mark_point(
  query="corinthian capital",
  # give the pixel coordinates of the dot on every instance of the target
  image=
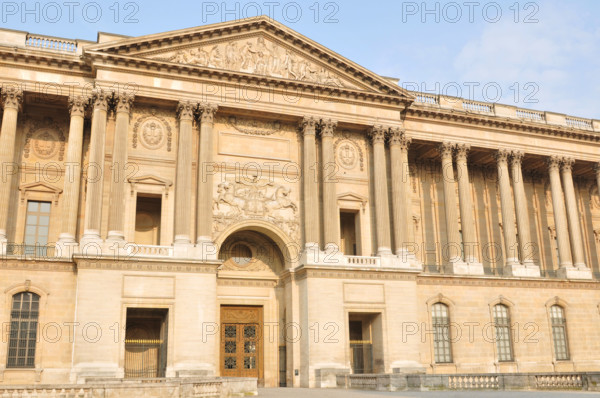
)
(123, 102)
(553, 163)
(567, 164)
(516, 157)
(378, 134)
(186, 109)
(502, 156)
(100, 99)
(446, 148)
(77, 105)
(462, 151)
(328, 127)
(308, 125)
(398, 137)
(207, 112)
(12, 97)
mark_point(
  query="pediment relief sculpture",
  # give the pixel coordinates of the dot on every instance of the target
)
(257, 55)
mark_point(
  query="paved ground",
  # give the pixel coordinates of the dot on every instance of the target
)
(322, 393)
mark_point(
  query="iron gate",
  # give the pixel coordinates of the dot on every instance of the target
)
(142, 358)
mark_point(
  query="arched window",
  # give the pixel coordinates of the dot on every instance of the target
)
(559, 332)
(503, 333)
(23, 330)
(441, 333)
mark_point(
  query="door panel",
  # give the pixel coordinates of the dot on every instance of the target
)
(241, 344)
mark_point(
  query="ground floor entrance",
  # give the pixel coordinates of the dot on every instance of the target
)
(241, 342)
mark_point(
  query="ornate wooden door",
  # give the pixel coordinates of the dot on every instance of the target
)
(241, 342)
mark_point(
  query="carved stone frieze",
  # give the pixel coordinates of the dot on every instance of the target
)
(152, 129)
(260, 56)
(256, 199)
(45, 138)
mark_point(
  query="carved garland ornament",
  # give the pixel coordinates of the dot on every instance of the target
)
(252, 126)
(152, 130)
(46, 138)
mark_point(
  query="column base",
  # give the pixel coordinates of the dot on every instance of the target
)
(66, 246)
(460, 267)
(522, 270)
(575, 273)
(313, 255)
(91, 243)
(3, 245)
(115, 236)
(403, 261)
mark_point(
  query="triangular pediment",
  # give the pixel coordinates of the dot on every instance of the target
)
(40, 187)
(151, 180)
(254, 46)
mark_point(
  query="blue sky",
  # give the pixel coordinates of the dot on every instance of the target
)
(541, 54)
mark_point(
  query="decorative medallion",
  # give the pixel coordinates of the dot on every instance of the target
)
(46, 139)
(152, 130)
(348, 153)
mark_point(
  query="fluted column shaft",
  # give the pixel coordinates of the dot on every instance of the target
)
(93, 198)
(116, 212)
(205, 174)
(309, 177)
(382, 215)
(449, 186)
(70, 200)
(331, 226)
(183, 177)
(506, 204)
(12, 98)
(401, 201)
(573, 213)
(525, 242)
(560, 216)
(467, 220)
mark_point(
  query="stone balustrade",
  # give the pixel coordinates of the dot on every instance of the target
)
(51, 43)
(505, 111)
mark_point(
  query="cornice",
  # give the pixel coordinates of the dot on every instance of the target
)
(19, 263)
(109, 263)
(314, 271)
(502, 123)
(42, 61)
(491, 281)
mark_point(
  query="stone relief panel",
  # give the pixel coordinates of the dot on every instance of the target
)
(44, 139)
(252, 126)
(258, 199)
(349, 153)
(257, 55)
(152, 129)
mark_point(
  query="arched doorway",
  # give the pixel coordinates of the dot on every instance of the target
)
(251, 307)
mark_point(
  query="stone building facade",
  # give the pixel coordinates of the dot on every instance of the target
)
(238, 200)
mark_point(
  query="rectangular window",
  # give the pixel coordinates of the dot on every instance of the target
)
(23, 330)
(559, 333)
(348, 235)
(37, 227)
(503, 333)
(147, 220)
(441, 333)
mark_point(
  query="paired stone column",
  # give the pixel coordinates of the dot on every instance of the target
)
(573, 213)
(560, 216)
(309, 177)
(95, 173)
(205, 175)
(12, 98)
(508, 215)
(525, 243)
(467, 220)
(453, 251)
(401, 194)
(116, 209)
(183, 178)
(70, 200)
(331, 225)
(382, 216)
